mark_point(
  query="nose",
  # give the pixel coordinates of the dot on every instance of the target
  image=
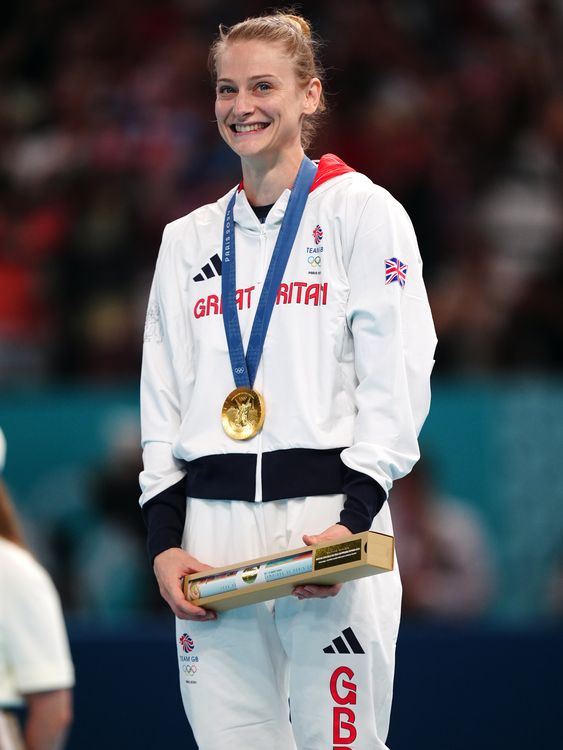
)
(243, 104)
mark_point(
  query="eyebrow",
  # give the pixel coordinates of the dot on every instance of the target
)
(252, 78)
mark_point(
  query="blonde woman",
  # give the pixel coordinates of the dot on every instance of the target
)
(287, 357)
(36, 670)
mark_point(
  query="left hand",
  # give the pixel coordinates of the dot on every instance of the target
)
(316, 591)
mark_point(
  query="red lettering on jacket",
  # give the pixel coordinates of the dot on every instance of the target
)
(343, 692)
(312, 294)
(282, 293)
(199, 308)
(296, 292)
(299, 285)
(212, 305)
(248, 293)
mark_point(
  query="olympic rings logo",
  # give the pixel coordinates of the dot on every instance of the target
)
(239, 370)
(314, 260)
(189, 668)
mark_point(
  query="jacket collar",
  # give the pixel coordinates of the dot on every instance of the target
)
(330, 166)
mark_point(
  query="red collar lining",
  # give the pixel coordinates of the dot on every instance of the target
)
(329, 166)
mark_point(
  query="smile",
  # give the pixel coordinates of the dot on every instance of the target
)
(250, 128)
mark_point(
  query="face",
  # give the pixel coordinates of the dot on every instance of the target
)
(260, 102)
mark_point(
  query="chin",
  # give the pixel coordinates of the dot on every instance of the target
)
(249, 149)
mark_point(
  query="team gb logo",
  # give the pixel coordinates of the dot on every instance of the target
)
(186, 643)
(318, 234)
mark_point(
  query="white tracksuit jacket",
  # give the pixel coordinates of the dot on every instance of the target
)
(345, 370)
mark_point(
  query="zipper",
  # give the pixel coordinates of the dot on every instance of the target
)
(260, 385)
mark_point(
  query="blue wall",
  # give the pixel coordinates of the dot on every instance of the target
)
(494, 444)
(455, 689)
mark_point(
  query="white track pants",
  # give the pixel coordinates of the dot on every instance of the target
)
(241, 670)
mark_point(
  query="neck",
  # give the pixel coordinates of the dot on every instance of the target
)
(266, 179)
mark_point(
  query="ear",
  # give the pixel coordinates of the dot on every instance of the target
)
(312, 96)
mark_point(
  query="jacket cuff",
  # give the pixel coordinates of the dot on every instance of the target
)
(364, 500)
(165, 516)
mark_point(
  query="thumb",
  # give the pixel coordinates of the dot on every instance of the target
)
(310, 540)
(199, 567)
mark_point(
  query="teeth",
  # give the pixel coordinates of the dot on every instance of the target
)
(248, 128)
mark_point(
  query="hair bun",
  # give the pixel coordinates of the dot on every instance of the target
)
(299, 22)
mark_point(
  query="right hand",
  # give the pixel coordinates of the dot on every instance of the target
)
(169, 568)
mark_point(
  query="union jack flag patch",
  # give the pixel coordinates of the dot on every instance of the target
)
(395, 271)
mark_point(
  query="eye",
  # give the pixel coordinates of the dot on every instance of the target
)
(225, 90)
(263, 86)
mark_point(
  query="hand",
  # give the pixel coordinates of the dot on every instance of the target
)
(169, 568)
(316, 591)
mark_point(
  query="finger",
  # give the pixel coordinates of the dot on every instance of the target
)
(317, 591)
(317, 588)
(183, 615)
(182, 608)
(310, 540)
(186, 611)
(302, 593)
(199, 568)
(328, 590)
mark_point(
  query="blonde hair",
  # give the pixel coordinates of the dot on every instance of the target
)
(9, 523)
(295, 35)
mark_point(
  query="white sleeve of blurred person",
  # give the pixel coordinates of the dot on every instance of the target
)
(36, 668)
(462, 581)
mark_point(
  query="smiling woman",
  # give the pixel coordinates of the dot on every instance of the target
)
(293, 35)
(268, 96)
(239, 340)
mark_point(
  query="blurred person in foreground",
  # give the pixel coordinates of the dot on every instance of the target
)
(342, 373)
(446, 562)
(36, 670)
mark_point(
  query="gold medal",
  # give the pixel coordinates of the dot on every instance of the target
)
(243, 413)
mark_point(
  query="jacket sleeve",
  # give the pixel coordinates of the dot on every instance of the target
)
(394, 342)
(162, 480)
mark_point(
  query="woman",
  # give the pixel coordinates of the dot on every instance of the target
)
(337, 352)
(35, 664)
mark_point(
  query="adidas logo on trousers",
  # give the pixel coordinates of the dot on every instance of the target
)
(347, 643)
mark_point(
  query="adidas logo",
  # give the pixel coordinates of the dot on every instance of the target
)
(345, 644)
(211, 269)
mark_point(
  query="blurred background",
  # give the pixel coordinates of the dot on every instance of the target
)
(107, 134)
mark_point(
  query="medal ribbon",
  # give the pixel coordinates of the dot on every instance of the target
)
(245, 367)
